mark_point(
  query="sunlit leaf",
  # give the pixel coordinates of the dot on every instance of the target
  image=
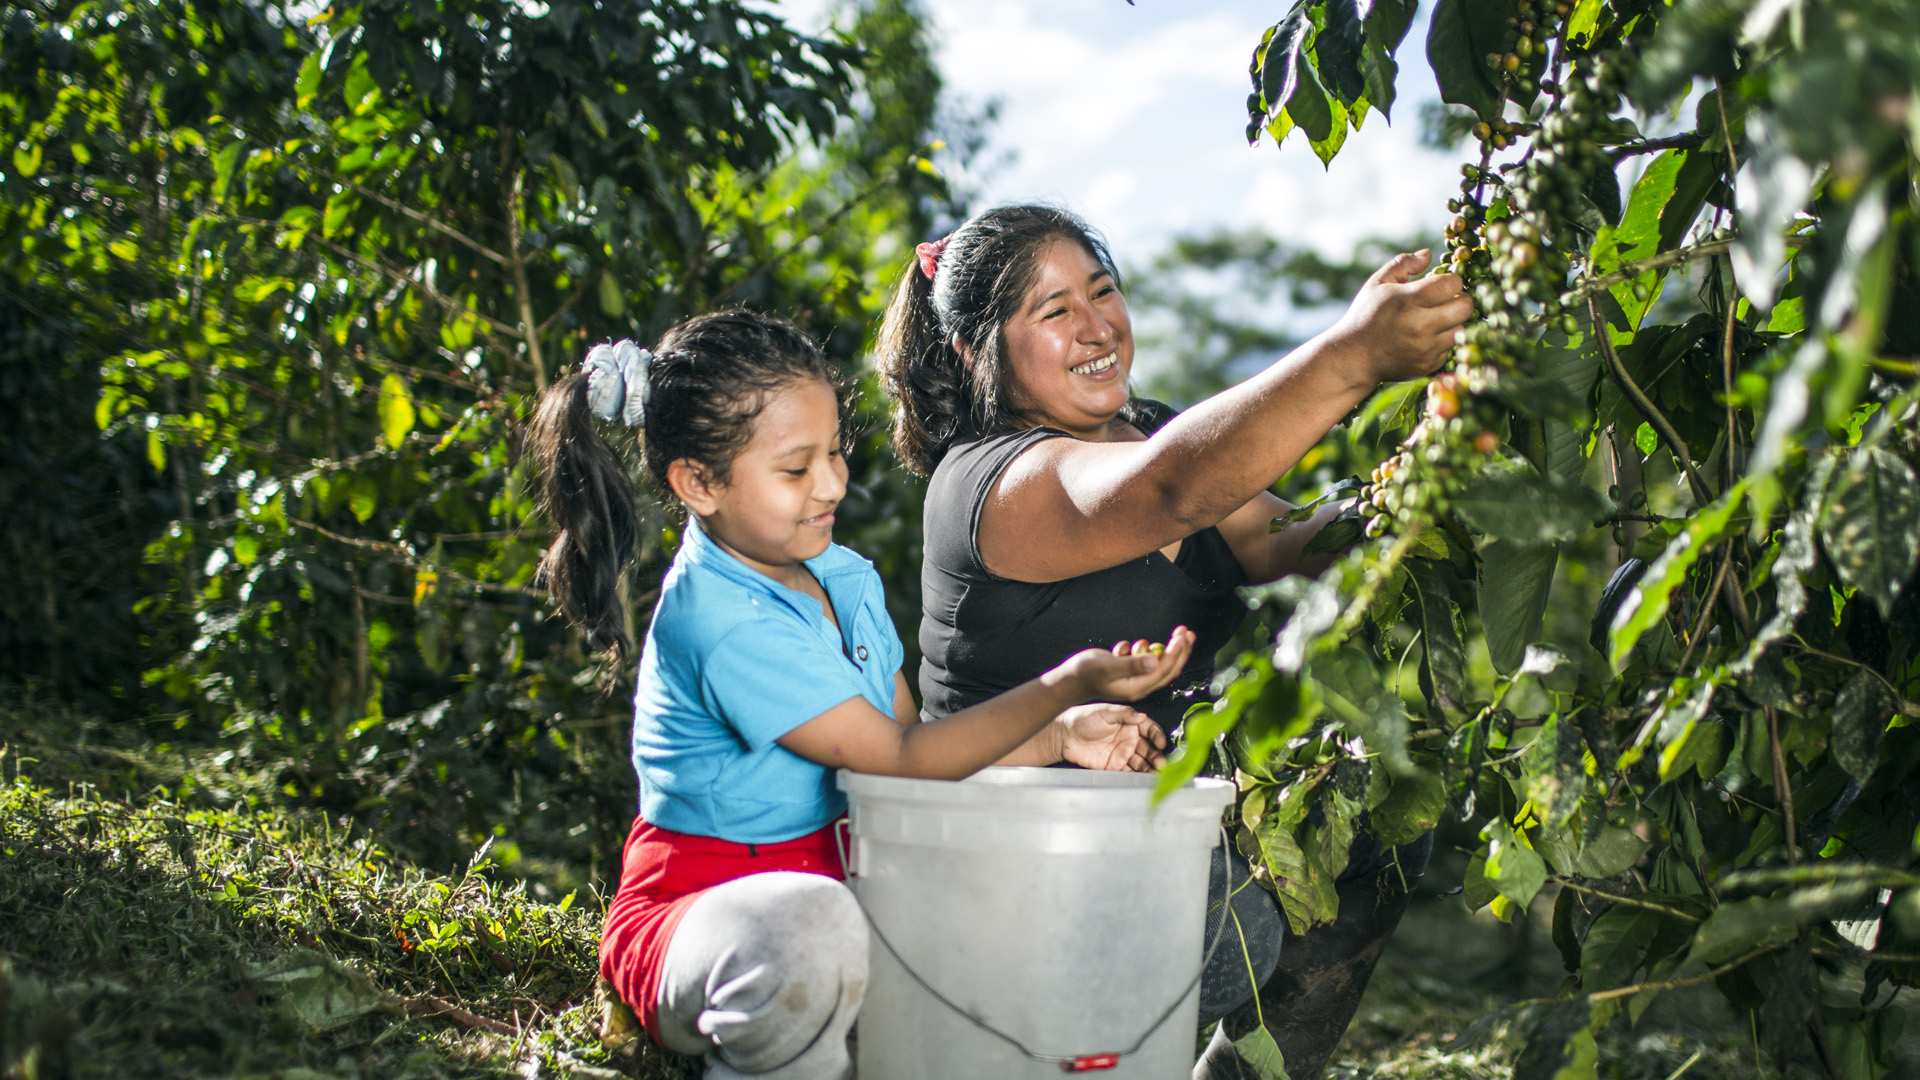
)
(1515, 869)
(396, 409)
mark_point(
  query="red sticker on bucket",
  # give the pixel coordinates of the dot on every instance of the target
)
(1090, 1063)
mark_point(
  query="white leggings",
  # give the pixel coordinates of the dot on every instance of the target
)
(764, 976)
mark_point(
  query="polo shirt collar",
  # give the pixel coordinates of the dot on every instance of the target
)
(700, 549)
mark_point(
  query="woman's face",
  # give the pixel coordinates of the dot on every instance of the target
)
(1069, 347)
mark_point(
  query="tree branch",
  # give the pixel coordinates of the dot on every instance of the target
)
(428, 1005)
(1625, 901)
(438, 297)
(425, 219)
(1706, 249)
(1677, 984)
(407, 556)
(1782, 789)
(1687, 141)
(1701, 492)
(532, 335)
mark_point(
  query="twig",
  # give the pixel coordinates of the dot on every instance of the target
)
(1704, 622)
(425, 219)
(1726, 342)
(428, 1005)
(1686, 141)
(438, 297)
(1783, 788)
(1694, 980)
(1626, 901)
(1648, 409)
(406, 554)
(1706, 249)
(578, 291)
(1901, 704)
(1685, 1065)
(522, 293)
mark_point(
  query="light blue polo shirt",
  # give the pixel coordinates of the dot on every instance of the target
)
(734, 660)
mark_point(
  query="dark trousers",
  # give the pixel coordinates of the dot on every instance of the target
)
(1316, 983)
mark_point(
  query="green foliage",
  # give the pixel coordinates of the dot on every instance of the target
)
(1711, 374)
(318, 270)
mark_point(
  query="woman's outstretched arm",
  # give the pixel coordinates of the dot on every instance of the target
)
(1068, 507)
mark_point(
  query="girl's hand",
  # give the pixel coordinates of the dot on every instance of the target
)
(1111, 737)
(1398, 328)
(1132, 670)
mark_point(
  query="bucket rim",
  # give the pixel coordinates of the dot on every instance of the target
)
(1081, 790)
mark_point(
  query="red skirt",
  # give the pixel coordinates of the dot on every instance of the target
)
(661, 876)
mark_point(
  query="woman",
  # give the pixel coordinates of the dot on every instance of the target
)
(1062, 511)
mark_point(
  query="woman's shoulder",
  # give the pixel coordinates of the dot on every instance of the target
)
(1147, 415)
(958, 490)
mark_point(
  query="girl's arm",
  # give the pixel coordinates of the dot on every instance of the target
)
(904, 710)
(857, 736)
(1068, 507)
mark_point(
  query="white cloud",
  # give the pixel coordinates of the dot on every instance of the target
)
(1136, 116)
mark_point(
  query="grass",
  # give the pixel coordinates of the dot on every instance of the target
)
(155, 933)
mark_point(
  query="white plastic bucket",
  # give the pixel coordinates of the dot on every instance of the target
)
(1058, 907)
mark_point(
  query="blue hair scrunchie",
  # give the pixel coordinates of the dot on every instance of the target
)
(617, 382)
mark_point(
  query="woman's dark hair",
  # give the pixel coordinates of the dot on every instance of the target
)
(709, 379)
(984, 273)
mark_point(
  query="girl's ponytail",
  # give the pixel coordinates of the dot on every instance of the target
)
(923, 374)
(590, 500)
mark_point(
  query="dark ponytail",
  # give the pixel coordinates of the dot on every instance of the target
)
(588, 497)
(706, 383)
(981, 278)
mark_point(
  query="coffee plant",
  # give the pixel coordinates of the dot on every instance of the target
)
(1699, 390)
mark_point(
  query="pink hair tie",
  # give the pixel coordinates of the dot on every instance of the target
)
(929, 255)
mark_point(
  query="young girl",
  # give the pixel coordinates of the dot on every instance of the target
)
(769, 663)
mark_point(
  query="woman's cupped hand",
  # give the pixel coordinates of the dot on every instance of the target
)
(1402, 328)
(1117, 738)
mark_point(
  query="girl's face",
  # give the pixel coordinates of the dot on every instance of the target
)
(1070, 345)
(775, 510)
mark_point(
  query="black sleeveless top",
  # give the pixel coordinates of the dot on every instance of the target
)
(981, 634)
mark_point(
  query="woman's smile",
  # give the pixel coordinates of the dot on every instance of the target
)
(1100, 367)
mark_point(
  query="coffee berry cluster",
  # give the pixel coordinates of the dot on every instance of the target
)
(1504, 242)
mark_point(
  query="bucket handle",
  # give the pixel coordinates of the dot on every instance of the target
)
(1072, 1063)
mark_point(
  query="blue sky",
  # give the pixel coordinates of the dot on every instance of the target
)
(1135, 118)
